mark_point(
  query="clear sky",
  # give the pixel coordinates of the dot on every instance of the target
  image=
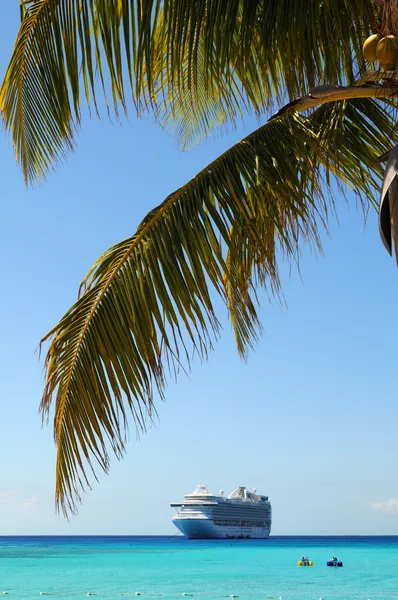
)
(310, 420)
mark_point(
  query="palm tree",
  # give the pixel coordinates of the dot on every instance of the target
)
(145, 308)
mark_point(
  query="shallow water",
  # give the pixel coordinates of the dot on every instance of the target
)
(117, 567)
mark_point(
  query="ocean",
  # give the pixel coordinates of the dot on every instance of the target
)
(173, 567)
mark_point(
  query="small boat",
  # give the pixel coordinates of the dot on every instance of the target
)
(304, 562)
(334, 562)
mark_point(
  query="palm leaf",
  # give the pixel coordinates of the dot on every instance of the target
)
(388, 216)
(146, 305)
(208, 54)
(279, 54)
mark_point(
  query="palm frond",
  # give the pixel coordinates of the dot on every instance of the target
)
(264, 51)
(61, 47)
(208, 54)
(146, 306)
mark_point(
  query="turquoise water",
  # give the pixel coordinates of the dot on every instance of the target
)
(117, 567)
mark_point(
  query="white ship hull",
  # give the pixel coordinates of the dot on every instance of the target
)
(206, 529)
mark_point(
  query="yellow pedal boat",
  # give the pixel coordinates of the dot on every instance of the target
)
(304, 563)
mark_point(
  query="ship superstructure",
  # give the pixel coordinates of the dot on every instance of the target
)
(243, 514)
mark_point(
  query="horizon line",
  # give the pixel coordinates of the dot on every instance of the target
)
(170, 536)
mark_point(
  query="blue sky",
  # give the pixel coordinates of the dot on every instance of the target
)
(310, 420)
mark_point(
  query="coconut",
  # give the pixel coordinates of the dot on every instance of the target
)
(387, 52)
(369, 48)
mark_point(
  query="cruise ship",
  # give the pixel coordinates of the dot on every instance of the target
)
(243, 514)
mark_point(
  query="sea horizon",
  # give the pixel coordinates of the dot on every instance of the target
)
(165, 535)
